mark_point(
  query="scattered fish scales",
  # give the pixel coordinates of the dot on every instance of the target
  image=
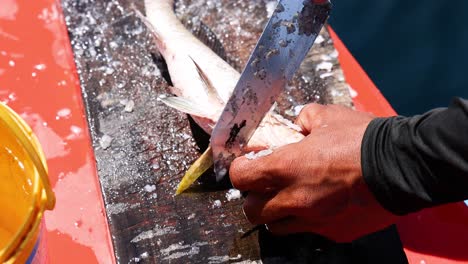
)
(271, 53)
(283, 43)
(352, 92)
(193, 250)
(325, 66)
(270, 7)
(248, 262)
(336, 93)
(105, 141)
(326, 75)
(135, 259)
(325, 57)
(155, 232)
(216, 204)
(129, 106)
(233, 194)
(319, 39)
(255, 155)
(119, 208)
(241, 35)
(334, 54)
(64, 112)
(218, 259)
(144, 255)
(150, 188)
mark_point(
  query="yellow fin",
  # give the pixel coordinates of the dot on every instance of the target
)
(201, 165)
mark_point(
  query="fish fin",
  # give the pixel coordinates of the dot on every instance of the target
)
(202, 164)
(186, 106)
(210, 89)
(159, 43)
(204, 33)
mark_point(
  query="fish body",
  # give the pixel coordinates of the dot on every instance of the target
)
(203, 82)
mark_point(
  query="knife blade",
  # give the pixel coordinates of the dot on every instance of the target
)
(283, 45)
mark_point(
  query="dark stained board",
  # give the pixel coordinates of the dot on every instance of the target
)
(143, 148)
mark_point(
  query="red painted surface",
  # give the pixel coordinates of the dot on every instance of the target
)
(38, 80)
(438, 235)
(367, 97)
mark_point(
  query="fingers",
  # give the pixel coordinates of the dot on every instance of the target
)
(293, 225)
(288, 225)
(250, 175)
(315, 116)
(267, 173)
(332, 231)
(265, 208)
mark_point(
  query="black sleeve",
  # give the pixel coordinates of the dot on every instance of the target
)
(410, 163)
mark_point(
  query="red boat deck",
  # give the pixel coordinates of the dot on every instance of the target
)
(38, 79)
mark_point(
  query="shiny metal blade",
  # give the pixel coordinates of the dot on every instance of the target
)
(287, 38)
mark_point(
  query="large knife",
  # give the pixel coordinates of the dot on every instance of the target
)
(287, 38)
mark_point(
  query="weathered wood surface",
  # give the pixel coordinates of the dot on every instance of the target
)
(152, 145)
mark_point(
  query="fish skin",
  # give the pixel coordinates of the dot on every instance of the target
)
(191, 66)
(183, 52)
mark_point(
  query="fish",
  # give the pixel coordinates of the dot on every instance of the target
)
(202, 83)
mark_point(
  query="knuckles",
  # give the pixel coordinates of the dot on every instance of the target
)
(312, 109)
(236, 171)
(311, 116)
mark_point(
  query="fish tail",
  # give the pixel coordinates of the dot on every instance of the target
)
(201, 165)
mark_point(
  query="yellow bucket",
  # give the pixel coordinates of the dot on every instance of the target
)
(25, 191)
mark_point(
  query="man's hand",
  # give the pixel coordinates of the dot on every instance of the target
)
(315, 185)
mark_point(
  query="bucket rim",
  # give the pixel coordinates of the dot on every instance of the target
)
(43, 196)
(31, 144)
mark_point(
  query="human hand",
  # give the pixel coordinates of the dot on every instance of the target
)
(315, 185)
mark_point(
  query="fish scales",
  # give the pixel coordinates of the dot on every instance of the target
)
(153, 145)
